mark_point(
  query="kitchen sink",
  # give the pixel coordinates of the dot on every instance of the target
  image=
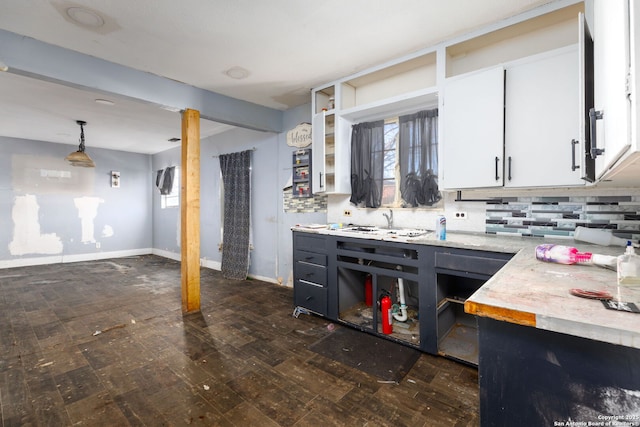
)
(388, 232)
(408, 232)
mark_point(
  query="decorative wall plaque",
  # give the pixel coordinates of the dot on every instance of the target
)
(299, 136)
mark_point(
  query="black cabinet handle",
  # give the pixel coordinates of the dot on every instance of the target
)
(309, 298)
(320, 181)
(593, 117)
(497, 162)
(509, 177)
(574, 142)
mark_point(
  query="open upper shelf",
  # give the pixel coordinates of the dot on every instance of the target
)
(401, 78)
(396, 106)
(540, 34)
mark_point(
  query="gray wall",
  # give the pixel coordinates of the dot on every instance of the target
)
(292, 118)
(38, 186)
(271, 257)
(165, 222)
(264, 209)
(53, 212)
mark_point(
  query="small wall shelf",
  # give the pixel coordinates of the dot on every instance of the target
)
(301, 173)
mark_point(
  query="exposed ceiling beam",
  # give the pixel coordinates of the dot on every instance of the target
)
(26, 56)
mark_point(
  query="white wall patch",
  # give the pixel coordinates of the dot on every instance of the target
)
(107, 231)
(87, 211)
(27, 238)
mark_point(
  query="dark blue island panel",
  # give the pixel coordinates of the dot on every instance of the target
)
(533, 377)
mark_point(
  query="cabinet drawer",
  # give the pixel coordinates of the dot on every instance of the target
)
(311, 273)
(470, 263)
(310, 296)
(310, 242)
(310, 257)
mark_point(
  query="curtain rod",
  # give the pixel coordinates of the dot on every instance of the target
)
(249, 149)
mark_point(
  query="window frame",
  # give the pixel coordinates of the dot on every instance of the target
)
(172, 200)
(395, 151)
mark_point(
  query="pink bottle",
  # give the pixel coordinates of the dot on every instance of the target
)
(560, 254)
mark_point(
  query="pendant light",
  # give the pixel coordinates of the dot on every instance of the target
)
(80, 158)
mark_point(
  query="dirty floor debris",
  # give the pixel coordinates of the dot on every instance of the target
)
(244, 360)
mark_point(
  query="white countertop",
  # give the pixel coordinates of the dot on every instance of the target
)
(535, 293)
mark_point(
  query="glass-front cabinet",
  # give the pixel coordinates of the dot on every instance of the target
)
(331, 148)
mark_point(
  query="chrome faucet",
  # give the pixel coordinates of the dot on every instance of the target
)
(389, 218)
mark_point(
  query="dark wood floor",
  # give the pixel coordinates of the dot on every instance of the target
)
(243, 361)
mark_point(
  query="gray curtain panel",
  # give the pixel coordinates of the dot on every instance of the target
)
(236, 177)
(164, 180)
(367, 163)
(419, 158)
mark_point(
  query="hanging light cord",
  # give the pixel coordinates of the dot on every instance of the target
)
(81, 147)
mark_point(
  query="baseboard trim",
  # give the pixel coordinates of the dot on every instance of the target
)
(96, 256)
(60, 259)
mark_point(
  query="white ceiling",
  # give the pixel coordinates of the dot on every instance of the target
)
(287, 47)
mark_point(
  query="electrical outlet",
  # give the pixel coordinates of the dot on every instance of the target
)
(347, 212)
(460, 215)
(97, 245)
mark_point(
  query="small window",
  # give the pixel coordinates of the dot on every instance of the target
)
(395, 162)
(172, 199)
(390, 181)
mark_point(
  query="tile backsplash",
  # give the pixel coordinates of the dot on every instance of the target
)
(317, 203)
(559, 216)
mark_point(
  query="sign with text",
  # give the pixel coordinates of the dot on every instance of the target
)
(300, 136)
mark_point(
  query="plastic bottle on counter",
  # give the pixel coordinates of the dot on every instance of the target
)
(605, 261)
(629, 267)
(561, 254)
(441, 227)
(598, 237)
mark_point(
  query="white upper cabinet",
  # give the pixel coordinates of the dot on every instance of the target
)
(318, 137)
(400, 87)
(544, 125)
(472, 134)
(611, 45)
(513, 97)
(331, 160)
(517, 126)
(522, 123)
(616, 55)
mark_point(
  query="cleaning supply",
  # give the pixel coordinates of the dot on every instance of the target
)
(441, 227)
(368, 290)
(561, 254)
(598, 237)
(606, 261)
(569, 255)
(387, 318)
(629, 267)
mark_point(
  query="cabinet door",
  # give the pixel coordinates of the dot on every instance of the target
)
(635, 65)
(611, 52)
(542, 117)
(331, 151)
(472, 134)
(342, 156)
(317, 153)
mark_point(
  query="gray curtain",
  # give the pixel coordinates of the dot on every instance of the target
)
(367, 163)
(164, 180)
(236, 177)
(419, 158)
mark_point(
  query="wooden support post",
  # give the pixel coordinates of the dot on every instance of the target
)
(190, 211)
